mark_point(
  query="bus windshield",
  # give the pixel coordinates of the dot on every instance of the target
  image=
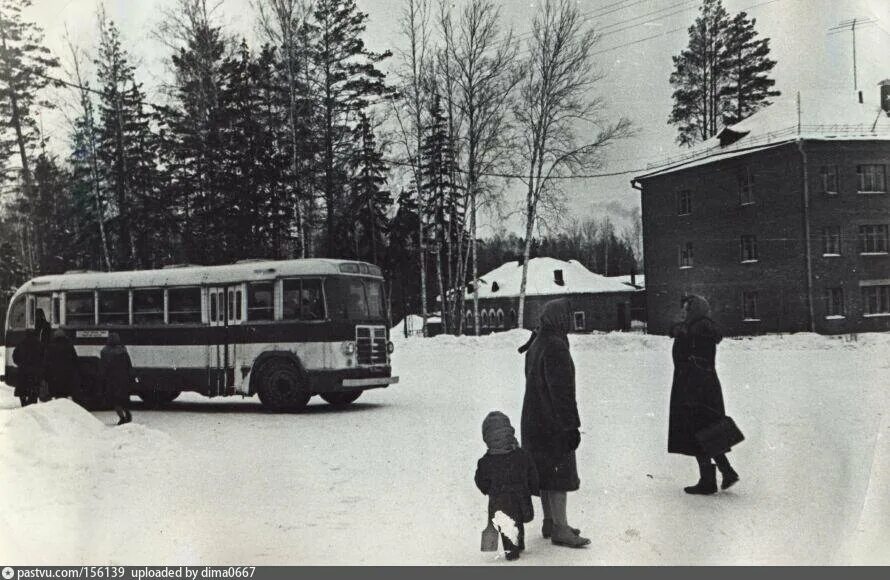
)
(355, 298)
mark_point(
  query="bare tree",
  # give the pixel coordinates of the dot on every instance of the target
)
(281, 22)
(89, 126)
(484, 77)
(555, 102)
(415, 27)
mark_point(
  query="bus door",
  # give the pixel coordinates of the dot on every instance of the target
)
(225, 314)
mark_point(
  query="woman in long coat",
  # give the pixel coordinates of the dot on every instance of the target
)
(60, 366)
(696, 395)
(117, 374)
(28, 357)
(550, 422)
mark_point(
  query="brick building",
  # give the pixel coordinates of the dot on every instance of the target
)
(780, 221)
(598, 303)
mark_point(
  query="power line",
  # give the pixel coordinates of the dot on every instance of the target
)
(403, 163)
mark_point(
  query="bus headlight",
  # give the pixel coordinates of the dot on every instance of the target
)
(390, 347)
(349, 348)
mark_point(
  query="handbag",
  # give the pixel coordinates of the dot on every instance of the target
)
(719, 437)
(490, 538)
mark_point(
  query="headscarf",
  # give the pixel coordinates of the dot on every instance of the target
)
(698, 308)
(556, 316)
(498, 434)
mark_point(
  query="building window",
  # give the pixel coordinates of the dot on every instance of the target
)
(831, 241)
(872, 178)
(749, 248)
(746, 186)
(513, 320)
(684, 202)
(483, 319)
(749, 307)
(834, 303)
(829, 178)
(686, 255)
(469, 319)
(876, 300)
(500, 316)
(579, 321)
(873, 239)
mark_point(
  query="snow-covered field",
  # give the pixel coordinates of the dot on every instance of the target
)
(390, 481)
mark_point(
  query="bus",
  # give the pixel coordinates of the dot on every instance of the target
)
(284, 330)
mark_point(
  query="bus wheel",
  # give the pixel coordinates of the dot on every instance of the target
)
(282, 387)
(157, 398)
(341, 399)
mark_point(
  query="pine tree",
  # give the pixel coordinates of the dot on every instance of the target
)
(24, 65)
(346, 80)
(699, 76)
(127, 152)
(721, 77)
(748, 86)
(370, 201)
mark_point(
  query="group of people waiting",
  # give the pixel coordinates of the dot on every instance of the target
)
(49, 368)
(545, 464)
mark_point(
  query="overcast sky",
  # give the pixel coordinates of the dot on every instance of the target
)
(638, 40)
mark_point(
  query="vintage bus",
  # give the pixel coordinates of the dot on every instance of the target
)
(284, 330)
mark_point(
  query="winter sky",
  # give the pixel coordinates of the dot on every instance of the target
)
(638, 40)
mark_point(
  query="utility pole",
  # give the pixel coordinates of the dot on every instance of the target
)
(851, 25)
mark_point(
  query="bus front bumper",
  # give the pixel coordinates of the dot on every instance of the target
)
(372, 383)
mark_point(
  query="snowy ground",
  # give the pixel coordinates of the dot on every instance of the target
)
(390, 481)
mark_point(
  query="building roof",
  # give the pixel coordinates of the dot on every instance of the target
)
(639, 279)
(823, 116)
(541, 280)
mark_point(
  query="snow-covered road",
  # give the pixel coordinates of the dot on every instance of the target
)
(390, 480)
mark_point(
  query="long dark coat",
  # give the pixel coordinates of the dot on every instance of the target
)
(696, 394)
(117, 373)
(28, 357)
(60, 367)
(549, 408)
(509, 480)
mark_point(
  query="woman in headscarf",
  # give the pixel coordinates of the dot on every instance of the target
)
(60, 366)
(696, 395)
(117, 374)
(550, 422)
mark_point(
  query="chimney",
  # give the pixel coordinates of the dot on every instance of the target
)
(557, 277)
(860, 97)
(885, 95)
(495, 287)
(633, 277)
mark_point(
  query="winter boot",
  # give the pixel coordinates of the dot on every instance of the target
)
(566, 536)
(512, 555)
(547, 528)
(730, 478)
(707, 483)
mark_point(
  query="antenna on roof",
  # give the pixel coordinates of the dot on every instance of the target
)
(851, 25)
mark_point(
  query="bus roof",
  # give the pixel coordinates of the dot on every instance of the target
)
(244, 271)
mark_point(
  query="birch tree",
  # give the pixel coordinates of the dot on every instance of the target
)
(555, 112)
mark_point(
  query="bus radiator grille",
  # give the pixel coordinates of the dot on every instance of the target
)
(370, 345)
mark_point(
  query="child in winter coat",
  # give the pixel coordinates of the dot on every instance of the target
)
(507, 475)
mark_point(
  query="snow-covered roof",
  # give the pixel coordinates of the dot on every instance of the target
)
(639, 280)
(247, 270)
(821, 116)
(541, 280)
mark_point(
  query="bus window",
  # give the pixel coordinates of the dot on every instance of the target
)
(184, 305)
(80, 309)
(259, 301)
(356, 305)
(148, 306)
(114, 307)
(16, 319)
(57, 310)
(375, 298)
(303, 299)
(213, 296)
(43, 302)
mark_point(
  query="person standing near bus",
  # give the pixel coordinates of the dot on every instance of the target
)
(42, 328)
(117, 373)
(60, 366)
(28, 356)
